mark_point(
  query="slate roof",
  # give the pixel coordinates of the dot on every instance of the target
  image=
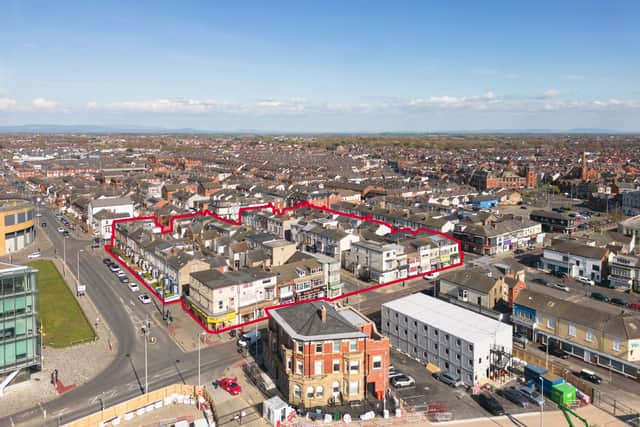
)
(304, 322)
(574, 248)
(475, 278)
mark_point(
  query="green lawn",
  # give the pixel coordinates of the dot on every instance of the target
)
(63, 320)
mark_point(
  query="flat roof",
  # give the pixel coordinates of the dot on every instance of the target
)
(454, 320)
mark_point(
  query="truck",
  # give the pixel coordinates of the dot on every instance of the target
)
(248, 339)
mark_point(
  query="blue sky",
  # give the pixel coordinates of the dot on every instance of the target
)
(322, 66)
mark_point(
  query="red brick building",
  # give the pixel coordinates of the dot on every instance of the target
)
(318, 354)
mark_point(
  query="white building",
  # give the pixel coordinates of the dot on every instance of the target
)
(103, 211)
(376, 261)
(453, 338)
(625, 272)
(576, 259)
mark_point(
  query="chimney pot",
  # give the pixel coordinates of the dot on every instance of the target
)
(323, 314)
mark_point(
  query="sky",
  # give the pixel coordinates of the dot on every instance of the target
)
(322, 66)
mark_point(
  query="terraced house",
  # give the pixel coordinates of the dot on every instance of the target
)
(606, 338)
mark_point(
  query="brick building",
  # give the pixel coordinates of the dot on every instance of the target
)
(318, 354)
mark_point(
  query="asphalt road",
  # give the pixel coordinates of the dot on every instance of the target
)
(124, 378)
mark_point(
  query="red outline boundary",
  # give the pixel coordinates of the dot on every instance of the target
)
(277, 211)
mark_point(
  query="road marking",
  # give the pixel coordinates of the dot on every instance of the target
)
(132, 304)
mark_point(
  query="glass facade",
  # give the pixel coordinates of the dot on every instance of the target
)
(19, 335)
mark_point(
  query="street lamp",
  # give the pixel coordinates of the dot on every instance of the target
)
(78, 266)
(199, 341)
(64, 256)
(542, 404)
(145, 330)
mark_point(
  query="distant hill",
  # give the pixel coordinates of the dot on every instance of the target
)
(124, 129)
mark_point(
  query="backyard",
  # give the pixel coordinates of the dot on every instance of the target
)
(63, 321)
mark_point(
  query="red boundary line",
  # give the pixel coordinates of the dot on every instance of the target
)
(277, 211)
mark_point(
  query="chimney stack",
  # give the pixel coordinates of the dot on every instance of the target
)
(323, 314)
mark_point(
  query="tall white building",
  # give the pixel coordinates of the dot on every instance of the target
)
(453, 338)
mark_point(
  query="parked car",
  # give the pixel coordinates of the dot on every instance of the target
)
(618, 301)
(231, 385)
(402, 381)
(134, 287)
(107, 261)
(114, 267)
(531, 394)
(123, 279)
(561, 287)
(590, 376)
(635, 306)
(598, 296)
(512, 394)
(449, 379)
(490, 403)
(519, 251)
(585, 280)
(541, 280)
(431, 276)
(395, 374)
(555, 351)
(144, 298)
(33, 255)
(61, 230)
(121, 273)
(520, 338)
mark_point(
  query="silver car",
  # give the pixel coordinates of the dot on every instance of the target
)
(531, 394)
(450, 379)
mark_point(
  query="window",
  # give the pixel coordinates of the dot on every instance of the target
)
(572, 330)
(595, 268)
(336, 344)
(353, 345)
(289, 364)
(551, 323)
(318, 367)
(616, 344)
(589, 336)
(538, 317)
(353, 387)
(299, 367)
(336, 365)
(310, 392)
(319, 391)
(296, 391)
(300, 347)
(458, 343)
(354, 366)
(335, 387)
(319, 348)
(377, 362)
(435, 332)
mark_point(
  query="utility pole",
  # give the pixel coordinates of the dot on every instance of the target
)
(541, 406)
(64, 256)
(255, 315)
(78, 266)
(199, 339)
(145, 329)
(546, 358)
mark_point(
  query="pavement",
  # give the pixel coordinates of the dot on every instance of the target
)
(124, 376)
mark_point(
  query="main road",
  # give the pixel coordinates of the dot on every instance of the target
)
(124, 377)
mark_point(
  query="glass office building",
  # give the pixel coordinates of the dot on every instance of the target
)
(19, 336)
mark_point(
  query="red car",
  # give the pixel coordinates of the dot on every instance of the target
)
(231, 385)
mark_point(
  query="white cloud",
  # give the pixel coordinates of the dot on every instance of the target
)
(7, 104)
(551, 93)
(44, 104)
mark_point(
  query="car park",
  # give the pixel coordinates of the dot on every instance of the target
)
(33, 255)
(512, 394)
(598, 296)
(134, 287)
(590, 376)
(144, 298)
(531, 394)
(402, 381)
(449, 379)
(585, 280)
(490, 403)
(618, 301)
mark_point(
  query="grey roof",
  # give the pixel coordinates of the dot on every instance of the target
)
(620, 324)
(476, 278)
(111, 201)
(303, 322)
(574, 248)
